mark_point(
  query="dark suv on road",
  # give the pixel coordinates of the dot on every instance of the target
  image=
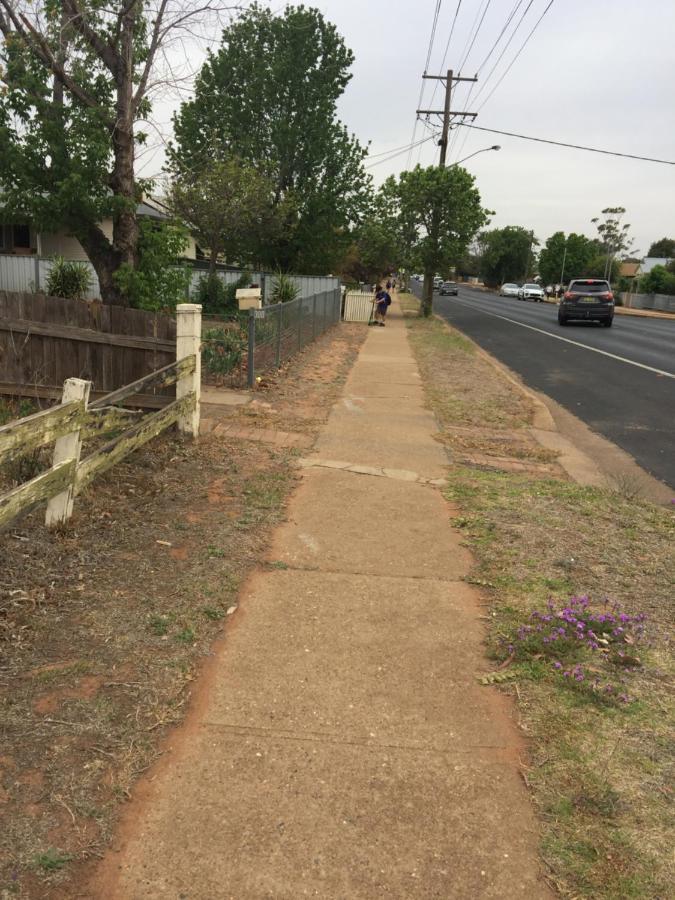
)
(587, 298)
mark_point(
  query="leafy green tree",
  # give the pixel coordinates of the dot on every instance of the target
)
(269, 96)
(613, 236)
(77, 78)
(469, 264)
(659, 281)
(157, 280)
(562, 258)
(228, 205)
(506, 254)
(663, 249)
(375, 251)
(436, 213)
(598, 267)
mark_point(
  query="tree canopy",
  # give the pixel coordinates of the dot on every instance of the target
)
(228, 206)
(374, 252)
(78, 75)
(506, 254)
(565, 257)
(663, 249)
(269, 96)
(660, 280)
(436, 213)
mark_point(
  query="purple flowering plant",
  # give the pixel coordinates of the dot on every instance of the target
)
(589, 647)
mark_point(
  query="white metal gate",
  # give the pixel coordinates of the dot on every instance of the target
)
(358, 306)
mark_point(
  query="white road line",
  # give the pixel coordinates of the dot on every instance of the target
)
(559, 337)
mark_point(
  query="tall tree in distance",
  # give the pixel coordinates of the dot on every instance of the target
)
(437, 214)
(506, 254)
(613, 235)
(565, 257)
(269, 96)
(663, 249)
(79, 76)
(228, 207)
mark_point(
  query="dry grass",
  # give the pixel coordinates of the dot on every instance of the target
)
(601, 776)
(104, 623)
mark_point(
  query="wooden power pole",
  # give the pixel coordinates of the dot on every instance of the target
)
(447, 113)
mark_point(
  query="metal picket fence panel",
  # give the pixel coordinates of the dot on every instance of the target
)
(278, 331)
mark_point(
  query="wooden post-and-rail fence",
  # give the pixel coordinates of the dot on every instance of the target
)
(75, 419)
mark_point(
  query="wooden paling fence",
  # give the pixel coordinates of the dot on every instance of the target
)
(45, 340)
(75, 419)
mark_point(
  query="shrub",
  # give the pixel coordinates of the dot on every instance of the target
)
(284, 289)
(222, 350)
(658, 281)
(68, 279)
(158, 281)
(218, 298)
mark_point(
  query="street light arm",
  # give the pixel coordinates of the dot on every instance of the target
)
(475, 153)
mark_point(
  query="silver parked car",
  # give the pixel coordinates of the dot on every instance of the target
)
(531, 292)
(509, 290)
(449, 287)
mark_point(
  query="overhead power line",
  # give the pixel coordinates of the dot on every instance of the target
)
(454, 137)
(503, 50)
(392, 150)
(527, 137)
(475, 35)
(501, 33)
(522, 47)
(486, 81)
(408, 147)
(432, 36)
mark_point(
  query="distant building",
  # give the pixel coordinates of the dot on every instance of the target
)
(22, 239)
(649, 262)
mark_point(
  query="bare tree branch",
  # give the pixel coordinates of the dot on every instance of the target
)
(106, 52)
(29, 34)
(152, 51)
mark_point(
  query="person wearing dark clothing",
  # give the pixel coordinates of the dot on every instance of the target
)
(382, 301)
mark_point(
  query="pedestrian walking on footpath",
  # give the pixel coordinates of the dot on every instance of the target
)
(382, 302)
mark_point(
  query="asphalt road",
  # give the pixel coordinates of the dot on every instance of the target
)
(620, 381)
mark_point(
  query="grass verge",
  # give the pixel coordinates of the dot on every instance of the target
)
(601, 771)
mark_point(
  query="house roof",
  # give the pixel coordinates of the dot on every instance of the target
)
(145, 209)
(629, 269)
(649, 262)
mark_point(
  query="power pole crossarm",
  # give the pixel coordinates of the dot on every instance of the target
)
(441, 112)
(454, 78)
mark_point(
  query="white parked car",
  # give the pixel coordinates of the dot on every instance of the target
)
(531, 292)
(509, 290)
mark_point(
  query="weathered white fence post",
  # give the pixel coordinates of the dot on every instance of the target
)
(60, 507)
(188, 342)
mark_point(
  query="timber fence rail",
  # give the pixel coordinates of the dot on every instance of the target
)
(45, 340)
(278, 331)
(75, 420)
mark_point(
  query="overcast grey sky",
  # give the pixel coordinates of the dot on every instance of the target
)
(595, 72)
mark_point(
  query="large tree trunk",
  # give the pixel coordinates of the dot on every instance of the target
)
(428, 294)
(213, 259)
(105, 261)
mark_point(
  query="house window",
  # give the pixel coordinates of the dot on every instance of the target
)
(21, 236)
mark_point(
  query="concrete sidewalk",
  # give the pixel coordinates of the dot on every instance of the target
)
(342, 747)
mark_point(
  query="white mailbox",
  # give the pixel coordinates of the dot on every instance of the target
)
(249, 298)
